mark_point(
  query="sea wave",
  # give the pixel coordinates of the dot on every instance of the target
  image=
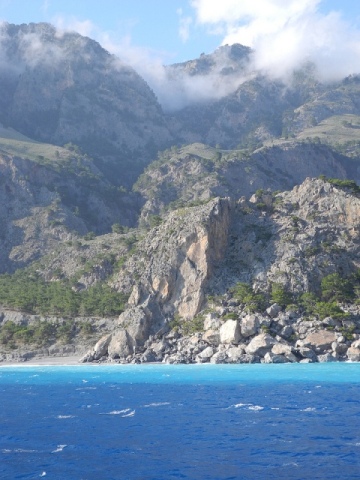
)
(59, 448)
(131, 414)
(126, 412)
(248, 406)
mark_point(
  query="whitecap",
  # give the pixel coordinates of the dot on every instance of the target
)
(131, 414)
(23, 450)
(239, 405)
(291, 464)
(117, 412)
(159, 404)
(43, 474)
(256, 408)
(61, 417)
(275, 408)
(59, 448)
(308, 409)
(85, 381)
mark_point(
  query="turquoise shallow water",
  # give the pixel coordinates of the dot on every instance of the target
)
(165, 422)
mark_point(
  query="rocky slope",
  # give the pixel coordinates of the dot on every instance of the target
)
(293, 239)
(63, 87)
(44, 203)
(197, 172)
(215, 244)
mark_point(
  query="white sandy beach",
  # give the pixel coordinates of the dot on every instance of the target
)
(73, 360)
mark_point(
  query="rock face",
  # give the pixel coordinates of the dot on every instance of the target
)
(288, 243)
(194, 172)
(182, 264)
(69, 89)
(45, 205)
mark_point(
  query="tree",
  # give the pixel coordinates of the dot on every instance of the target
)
(280, 295)
(246, 295)
(336, 288)
(308, 301)
(328, 309)
(117, 228)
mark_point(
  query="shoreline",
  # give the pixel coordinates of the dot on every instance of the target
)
(44, 361)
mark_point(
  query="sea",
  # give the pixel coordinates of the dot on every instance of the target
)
(164, 422)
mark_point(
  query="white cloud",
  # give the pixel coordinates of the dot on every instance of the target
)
(184, 25)
(285, 34)
(73, 24)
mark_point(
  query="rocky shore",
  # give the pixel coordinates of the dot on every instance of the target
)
(273, 337)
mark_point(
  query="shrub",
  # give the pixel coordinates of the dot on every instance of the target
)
(246, 295)
(328, 309)
(336, 288)
(279, 294)
(193, 326)
(89, 236)
(117, 228)
(308, 301)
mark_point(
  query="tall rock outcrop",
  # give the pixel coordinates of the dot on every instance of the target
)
(168, 274)
(175, 261)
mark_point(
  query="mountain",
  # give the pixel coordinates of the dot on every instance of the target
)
(65, 88)
(158, 226)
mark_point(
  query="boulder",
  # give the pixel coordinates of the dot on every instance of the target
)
(331, 322)
(212, 337)
(339, 348)
(353, 352)
(307, 353)
(247, 358)
(249, 325)
(287, 331)
(142, 321)
(219, 357)
(211, 322)
(159, 347)
(234, 354)
(327, 357)
(206, 354)
(120, 345)
(274, 310)
(281, 349)
(230, 332)
(284, 350)
(320, 340)
(273, 358)
(148, 356)
(260, 344)
(100, 350)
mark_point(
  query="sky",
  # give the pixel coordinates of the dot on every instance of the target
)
(173, 31)
(147, 34)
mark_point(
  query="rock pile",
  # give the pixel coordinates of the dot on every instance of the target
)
(272, 337)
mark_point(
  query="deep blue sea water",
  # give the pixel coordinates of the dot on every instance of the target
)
(164, 422)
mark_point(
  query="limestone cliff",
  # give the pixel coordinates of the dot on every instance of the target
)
(168, 274)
